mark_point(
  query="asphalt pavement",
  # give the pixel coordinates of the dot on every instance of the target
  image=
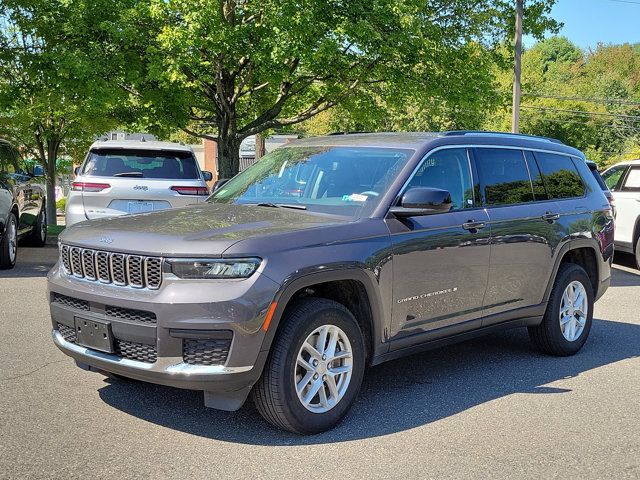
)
(487, 408)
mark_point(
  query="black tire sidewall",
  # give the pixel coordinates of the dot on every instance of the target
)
(552, 320)
(5, 259)
(301, 418)
(37, 238)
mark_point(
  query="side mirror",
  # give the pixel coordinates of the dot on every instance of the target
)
(208, 176)
(38, 171)
(419, 201)
(76, 171)
(219, 183)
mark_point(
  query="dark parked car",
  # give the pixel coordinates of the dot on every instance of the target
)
(22, 207)
(335, 253)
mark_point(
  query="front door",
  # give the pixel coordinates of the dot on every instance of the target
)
(628, 206)
(440, 261)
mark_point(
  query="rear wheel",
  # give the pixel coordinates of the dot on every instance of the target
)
(9, 244)
(567, 321)
(38, 237)
(637, 252)
(315, 368)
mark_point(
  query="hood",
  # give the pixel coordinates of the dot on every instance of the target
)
(205, 229)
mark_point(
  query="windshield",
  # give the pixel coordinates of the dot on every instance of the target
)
(345, 181)
(140, 164)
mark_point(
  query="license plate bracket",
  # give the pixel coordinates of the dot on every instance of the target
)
(94, 334)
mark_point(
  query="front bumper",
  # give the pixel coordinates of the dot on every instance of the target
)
(169, 371)
(236, 307)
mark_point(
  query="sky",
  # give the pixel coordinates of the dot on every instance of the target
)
(588, 22)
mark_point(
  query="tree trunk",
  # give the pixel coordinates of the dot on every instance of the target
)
(52, 157)
(51, 200)
(228, 156)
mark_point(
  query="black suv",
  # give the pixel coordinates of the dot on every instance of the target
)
(22, 207)
(331, 254)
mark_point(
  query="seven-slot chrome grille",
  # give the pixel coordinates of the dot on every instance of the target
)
(111, 267)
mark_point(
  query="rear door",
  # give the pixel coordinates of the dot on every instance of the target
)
(523, 230)
(118, 181)
(628, 206)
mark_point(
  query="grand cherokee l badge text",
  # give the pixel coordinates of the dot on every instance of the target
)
(427, 295)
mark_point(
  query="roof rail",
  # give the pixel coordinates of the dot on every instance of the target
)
(488, 133)
(347, 133)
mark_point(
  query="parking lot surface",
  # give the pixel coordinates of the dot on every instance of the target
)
(487, 408)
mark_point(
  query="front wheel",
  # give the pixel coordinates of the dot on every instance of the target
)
(567, 321)
(9, 244)
(315, 368)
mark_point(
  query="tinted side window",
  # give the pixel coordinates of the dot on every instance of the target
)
(561, 178)
(612, 176)
(504, 176)
(539, 192)
(449, 170)
(632, 182)
(8, 158)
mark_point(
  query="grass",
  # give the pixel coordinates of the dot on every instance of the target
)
(54, 229)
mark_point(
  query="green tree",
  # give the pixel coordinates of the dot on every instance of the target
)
(589, 100)
(53, 95)
(227, 69)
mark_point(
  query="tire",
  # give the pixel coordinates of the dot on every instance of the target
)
(275, 394)
(38, 237)
(9, 244)
(549, 337)
(637, 253)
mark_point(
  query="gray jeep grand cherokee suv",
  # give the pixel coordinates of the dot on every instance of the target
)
(332, 254)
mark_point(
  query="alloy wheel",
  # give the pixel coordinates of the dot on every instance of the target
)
(43, 226)
(12, 233)
(573, 311)
(323, 368)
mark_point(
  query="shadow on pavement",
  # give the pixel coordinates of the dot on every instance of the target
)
(33, 262)
(625, 273)
(398, 395)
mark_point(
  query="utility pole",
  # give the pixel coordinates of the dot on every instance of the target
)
(515, 122)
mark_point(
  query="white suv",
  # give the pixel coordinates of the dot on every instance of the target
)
(119, 178)
(623, 180)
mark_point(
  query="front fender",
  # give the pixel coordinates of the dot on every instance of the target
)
(323, 274)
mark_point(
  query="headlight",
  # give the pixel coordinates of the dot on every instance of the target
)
(204, 268)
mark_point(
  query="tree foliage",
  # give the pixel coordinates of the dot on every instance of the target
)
(227, 69)
(588, 99)
(54, 96)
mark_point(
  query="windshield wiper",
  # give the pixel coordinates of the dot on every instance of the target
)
(282, 205)
(129, 174)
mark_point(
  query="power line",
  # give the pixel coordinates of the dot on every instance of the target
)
(580, 112)
(584, 99)
(626, 1)
(578, 121)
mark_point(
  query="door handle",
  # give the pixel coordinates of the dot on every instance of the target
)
(551, 217)
(473, 226)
